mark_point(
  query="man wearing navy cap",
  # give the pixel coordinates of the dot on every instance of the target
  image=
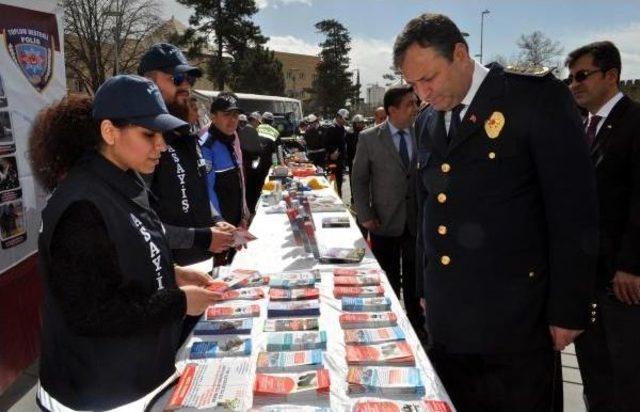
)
(194, 227)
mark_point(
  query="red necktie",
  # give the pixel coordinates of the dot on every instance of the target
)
(591, 129)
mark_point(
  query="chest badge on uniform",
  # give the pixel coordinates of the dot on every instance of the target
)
(494, 124)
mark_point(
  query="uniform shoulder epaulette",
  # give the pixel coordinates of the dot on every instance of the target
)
(528, 71)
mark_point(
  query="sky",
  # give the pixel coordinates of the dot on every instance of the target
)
(374, 25)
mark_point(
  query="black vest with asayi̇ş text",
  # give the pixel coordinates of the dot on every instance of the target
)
(89, 373)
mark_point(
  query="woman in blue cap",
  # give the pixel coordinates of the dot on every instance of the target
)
(114, 302)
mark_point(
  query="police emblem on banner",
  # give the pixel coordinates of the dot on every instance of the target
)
(32, 51)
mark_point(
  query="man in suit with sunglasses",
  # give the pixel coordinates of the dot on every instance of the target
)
(608, 351)
(179, 184)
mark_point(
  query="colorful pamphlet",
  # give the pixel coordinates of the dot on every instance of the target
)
(293, 386)
(389, 353)
(291, 325)
(221, 384)
(368, 320)
(243, 294)
(228, 312)
(377, 304)
(355, 272)
(358, 291)
(369, 336)
(294, 294)
(365, 280)
(289, 361)
(223, 347)
(385, 381)
(296, 341)
(294, 308)
(377, 405)
(341, 255)
(224, 327)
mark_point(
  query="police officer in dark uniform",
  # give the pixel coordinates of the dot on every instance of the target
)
(508, 221)
(114, 302)
(314, 140)
(179, 183)
(336, 146)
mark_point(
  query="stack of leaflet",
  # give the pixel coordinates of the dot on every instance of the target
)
(376, 304)
(297, 361)
(289, 325)
(288, 309)
(224, 327)
(294, 294)
(291, 280)
(358, 291)
(386, 381)
(377, 405)
(221, 347)
(230, 312)
(297, 341)
(300, 386)
(396, 353)
(370, 336)
(219, 385)
(368, 320)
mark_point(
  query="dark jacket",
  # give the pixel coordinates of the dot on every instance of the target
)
(179, 187)
(335, 139)
(616, 156)
(112, 312)
(508, 225)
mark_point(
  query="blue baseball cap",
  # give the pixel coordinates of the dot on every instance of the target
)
(167, 58)
(135, 100)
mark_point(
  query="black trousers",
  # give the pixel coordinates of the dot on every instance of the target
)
(397, 257)
(528, 382)
(609, 357)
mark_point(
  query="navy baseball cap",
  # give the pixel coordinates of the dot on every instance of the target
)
(167, 58)
(134, 100)
(225, 102)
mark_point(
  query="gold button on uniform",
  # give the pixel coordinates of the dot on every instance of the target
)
(445, 260)
(445, 167)
(532, 274)
(442, 198)
(442, 229)
(492, 155)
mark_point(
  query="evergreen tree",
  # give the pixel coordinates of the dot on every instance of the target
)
(333, 86)
(225, 26)
(257, 71)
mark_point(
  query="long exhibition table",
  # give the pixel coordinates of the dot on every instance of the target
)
(275, 251)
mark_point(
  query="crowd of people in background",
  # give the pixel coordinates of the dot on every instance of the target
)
(486, 198)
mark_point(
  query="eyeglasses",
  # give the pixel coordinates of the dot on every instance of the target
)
(581, 76)
(179, 78)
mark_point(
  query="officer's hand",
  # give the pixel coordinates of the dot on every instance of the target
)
(220, 240)
(372, 224)
(226, 226)
(334, 155)
(423, 305)
(626, 287)
(198, 299)
(189, 276)
(562, 337)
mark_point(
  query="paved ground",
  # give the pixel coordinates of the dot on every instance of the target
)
(20, 397)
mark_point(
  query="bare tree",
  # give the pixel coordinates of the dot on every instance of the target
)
(537, 50)
(93, 29)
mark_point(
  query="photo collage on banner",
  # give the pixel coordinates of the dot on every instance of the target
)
(12, 219)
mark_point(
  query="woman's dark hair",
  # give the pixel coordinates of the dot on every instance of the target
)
(61, 134)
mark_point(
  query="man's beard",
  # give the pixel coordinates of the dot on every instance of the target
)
(179, 110)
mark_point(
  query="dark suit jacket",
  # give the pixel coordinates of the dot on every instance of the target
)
(512, 247)
(383, 188)
(335, 139)
(616, 156)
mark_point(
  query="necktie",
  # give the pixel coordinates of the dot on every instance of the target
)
(455, 122)
(591, 129)
(402, 149)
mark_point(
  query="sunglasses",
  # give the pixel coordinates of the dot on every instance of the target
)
(179, 78)
(581, 76)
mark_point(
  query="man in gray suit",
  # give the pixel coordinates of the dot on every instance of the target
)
(383, 180)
